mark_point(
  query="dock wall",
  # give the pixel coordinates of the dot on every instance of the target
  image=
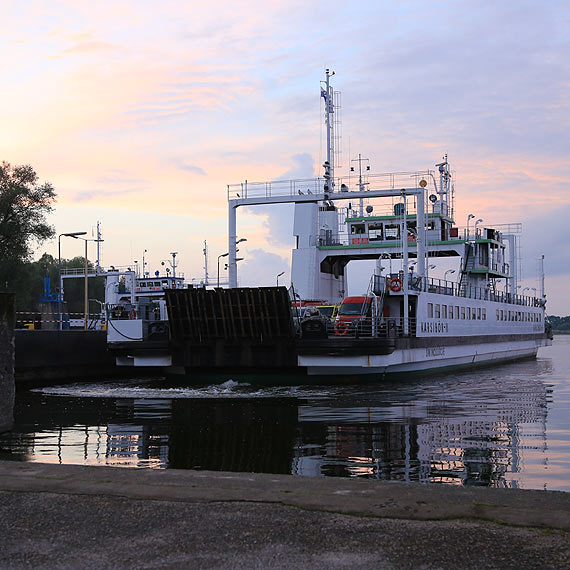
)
(7, 350)
(51, 354)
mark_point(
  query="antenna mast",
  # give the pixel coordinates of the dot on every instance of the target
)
(205, 252)
(361, 185)
(99, 240)
(328, 95)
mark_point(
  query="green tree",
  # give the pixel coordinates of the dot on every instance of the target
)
(40, 278)
(24, 204)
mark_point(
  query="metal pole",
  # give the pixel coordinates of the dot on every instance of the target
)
(542, 290)
(405, 255)
(219, 256)
(421, 248)
(86, 298)
(59, 292)
(232, 238)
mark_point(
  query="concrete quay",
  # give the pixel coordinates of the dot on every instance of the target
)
(67, 516)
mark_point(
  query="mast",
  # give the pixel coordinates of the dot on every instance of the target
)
(327, 95)
(361, 185)
(205, 252)
(99, 240)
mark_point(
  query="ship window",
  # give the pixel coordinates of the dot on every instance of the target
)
(473, 313)
(498, 315)
(392, 231)
(450, 311)
(357, 228)
(444, 311)
(430, 310)
(479, 313)
(431, 225)
(484, 314)
(437, 311)
(457, 312)
(157, 283)
(463, 313)
(375, 231)
(468, 313)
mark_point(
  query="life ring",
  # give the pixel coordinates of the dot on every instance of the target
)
(395, 284)
(341, 328)
(133, 314)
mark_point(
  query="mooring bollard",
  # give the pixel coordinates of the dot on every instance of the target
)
(7, 351)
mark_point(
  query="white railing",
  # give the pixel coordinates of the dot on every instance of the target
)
(281, 188)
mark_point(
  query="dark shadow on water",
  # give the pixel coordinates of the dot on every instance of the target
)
(470, 428)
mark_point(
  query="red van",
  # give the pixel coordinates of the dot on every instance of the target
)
(354, 312)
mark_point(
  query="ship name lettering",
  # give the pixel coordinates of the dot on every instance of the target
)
(435, 351)
(430, 327)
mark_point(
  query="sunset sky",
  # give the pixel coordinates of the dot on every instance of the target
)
(140, 113)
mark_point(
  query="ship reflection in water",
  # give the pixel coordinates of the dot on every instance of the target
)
(482, 428)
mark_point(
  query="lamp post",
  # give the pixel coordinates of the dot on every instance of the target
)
(469, 218)
(279, 275)
(86, 288)
(73, 235)
(476, 224)
(220, 256)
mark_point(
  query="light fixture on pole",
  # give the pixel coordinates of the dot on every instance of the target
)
(174, 254)
(86, 286)
(219, 256)
(73, 235)
(476, 224)
(279, 275)
(469, 218)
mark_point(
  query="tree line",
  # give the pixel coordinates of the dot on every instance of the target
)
(560, 324)
(25, 203)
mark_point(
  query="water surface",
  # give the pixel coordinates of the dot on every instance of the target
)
(505, 426)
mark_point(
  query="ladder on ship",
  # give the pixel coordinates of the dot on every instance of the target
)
(468, 265)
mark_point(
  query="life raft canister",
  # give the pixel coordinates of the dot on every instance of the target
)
(341, 328)
(395, 284)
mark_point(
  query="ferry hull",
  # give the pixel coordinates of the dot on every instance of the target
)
(423, 359)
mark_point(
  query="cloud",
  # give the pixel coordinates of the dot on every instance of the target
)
(260, 269)
(189, 167)
(89, 195)
(279, 217)
(91, 46)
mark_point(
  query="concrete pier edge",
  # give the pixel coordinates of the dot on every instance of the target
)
(361, 498)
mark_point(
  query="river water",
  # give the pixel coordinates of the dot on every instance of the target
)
(507, 426)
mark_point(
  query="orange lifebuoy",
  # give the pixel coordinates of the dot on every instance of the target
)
(395, 284)
(133, 314)
(341, 328)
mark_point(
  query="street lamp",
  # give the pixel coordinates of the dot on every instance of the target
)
(469, 218)
(279, 275)
(60, 292)
(476, 224)
(86, 290)
(219, 256)
(451, 271)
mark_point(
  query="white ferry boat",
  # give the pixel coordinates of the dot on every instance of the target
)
(409, 321)
(413, 322)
